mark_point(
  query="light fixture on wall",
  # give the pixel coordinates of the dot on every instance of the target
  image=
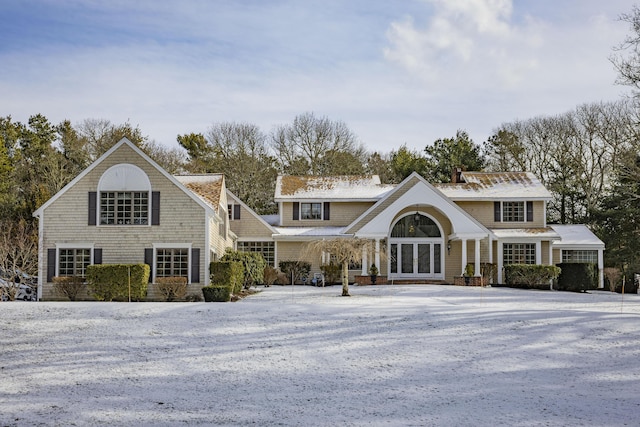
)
(448, 248)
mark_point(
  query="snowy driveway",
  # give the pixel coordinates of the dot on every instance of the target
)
(389, 356)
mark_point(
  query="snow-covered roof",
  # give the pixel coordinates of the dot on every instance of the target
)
(306, 232)
(496, 186)
(576, 235)
(526, 233)
(271, 219)
(208, 187)
(343, 188)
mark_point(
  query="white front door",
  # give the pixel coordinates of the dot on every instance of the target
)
(416, 258)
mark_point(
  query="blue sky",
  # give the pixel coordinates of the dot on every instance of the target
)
(396, 72)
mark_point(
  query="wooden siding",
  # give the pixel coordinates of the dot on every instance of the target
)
(382, 206)
(482, 211)
(181, 219)
(248, 226)
(342, 214)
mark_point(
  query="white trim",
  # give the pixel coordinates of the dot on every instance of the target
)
(42, 274)
(157, 246)
(92, 166)
(79, 245)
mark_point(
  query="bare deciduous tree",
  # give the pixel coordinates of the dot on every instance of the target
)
(345, 250)
(18, 254)
(302, 146)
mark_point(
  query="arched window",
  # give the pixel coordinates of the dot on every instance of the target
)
(124, 191)
(415, 225)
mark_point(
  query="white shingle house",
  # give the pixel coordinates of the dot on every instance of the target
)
(125, 209)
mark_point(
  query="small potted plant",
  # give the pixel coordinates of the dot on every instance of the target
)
(373, 272)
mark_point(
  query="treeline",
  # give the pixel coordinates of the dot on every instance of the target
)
(589, 159)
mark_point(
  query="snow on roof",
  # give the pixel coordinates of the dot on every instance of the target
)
(496, 186)
(330, 187)
(526, 233)
(310, 231)
(271, 219)
(576, 234)
(208, 187)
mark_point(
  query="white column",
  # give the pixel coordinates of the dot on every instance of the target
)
(538, 253)
(365, 261)
(477, 263)
(464, 255)
(490, 250)
(601, 267)
(377, 254)
(500, 261)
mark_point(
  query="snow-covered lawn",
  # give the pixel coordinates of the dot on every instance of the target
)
(389, 355)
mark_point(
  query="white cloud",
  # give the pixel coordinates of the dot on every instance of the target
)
(474, 39)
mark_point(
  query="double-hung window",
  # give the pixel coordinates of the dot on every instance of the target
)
(519, 253)
(310, 210)
(513, 211)
(73, 262)
(267, 249)
(172, 262)
(124, 208)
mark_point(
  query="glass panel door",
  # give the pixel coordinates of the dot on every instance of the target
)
(424, 258)
(407, 258)
(437, 261)
(394, 258)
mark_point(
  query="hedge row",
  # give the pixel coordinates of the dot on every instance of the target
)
(578, 277)
(118, 282)
(529, 275)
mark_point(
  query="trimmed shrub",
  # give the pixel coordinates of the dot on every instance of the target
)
(227, 273)
(193, 298)
(253, 263)
(530, 276)
(577, 277)
(118, 282)
(298, 269)
(331, 272)
(69, 286)
(217, 293)
(172, 288)
(270, 276)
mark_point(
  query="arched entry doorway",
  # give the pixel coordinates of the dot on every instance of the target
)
(415, 248)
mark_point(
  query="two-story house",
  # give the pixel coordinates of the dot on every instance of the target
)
(429, 233)
(125, 209)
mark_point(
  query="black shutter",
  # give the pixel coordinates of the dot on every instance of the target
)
(51, 264)
(155, 208)
(97, 255)
(296, 211)
(93, 206)
(148, 259)
(326, 211)
(236, 211)
(496, 212)
(195, 265)
(529, 211)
